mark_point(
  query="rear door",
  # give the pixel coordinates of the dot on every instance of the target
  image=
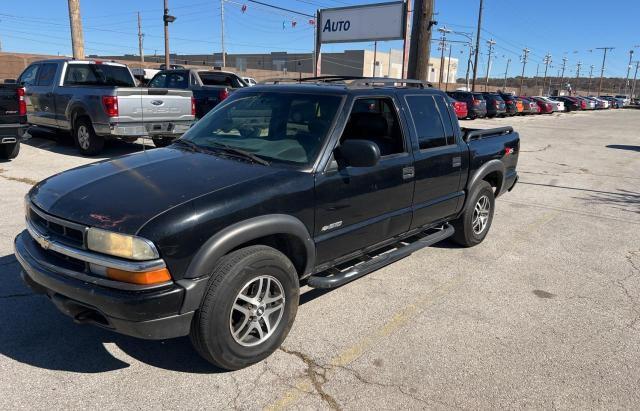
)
(357, 207)
(437, 157)
(46, 98)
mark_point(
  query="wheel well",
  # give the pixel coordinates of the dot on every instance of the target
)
(495, 179)
(289, 245)
(77, 114)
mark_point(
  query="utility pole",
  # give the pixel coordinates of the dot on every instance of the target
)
(75, 22)
(443, 45)
(446, 83)
(505, 74)
(564, 65)
(375, 56)
(590, 76)
(537, 71)
(140, 38)
(420, 47)
(167, 18)
(604, 59)
(626, 87)
(486, 80)
(477, 50)
(635, 75)
(224, 57)
(546, 60)
(525, 56)
(578, 69)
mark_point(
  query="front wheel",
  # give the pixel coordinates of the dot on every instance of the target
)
(248, 309)
(474, 223)
(9, 151)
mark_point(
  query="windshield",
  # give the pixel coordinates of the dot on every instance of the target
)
(276, 126)
(79, 74)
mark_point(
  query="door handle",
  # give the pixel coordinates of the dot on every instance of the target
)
(456, 162)
(408, 173)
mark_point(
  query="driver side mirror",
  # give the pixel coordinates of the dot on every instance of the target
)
(358, 153)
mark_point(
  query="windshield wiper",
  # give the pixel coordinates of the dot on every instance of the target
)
(189, 145)
(240, 152)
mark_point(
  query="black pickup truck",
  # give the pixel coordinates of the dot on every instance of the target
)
(209, 87)
(280, 186)
(13, 119)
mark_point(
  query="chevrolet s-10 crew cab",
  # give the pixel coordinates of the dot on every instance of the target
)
(281, 185)
(98, 100)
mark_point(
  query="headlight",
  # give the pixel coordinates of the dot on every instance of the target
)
(120, 245)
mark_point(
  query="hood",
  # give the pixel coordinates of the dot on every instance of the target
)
(124, 193)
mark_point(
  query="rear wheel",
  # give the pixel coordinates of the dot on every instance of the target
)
(248, 309)
(9, 151)
(474, 223)
(88, 142)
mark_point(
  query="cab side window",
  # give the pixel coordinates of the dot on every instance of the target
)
(375, 119)
(46, 74)
(28, 77)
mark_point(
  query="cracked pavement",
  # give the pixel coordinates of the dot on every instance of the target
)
(544, 314)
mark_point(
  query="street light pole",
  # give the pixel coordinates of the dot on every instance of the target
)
(446, 83)
(564, 65)
(486, 80)
(166, 18)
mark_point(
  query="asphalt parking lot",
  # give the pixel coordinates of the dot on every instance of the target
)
(544, 314)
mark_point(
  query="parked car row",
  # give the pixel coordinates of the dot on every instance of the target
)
(472, 105)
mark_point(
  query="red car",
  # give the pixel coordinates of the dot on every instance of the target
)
(533, 105)
(460, 107)
(543, 106)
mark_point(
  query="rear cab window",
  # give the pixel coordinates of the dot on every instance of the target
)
(92, 74)
(220, 79)
(170, 79)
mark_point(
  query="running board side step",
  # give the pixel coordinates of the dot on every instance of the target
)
(368, 263)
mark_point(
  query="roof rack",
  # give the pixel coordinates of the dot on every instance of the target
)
(357, 81)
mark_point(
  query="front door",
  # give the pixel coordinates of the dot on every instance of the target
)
(361, 206)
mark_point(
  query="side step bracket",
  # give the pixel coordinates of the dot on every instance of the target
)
(335, 277)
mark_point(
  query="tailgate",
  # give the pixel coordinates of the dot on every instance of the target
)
(9, 105)
(153, 105)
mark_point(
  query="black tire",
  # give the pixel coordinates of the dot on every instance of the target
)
(465, 235)
(211, 333)
(85, 137)
(9, 151)
(162, 141)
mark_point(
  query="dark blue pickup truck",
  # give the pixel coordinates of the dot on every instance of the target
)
(315, 183)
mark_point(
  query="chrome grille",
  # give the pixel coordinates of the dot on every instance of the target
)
(66, 232)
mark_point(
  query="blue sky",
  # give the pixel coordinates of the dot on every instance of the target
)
(564, 28)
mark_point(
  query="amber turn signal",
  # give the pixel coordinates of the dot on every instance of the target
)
(143, 278)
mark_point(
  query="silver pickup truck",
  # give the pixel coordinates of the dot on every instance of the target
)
(96, 101)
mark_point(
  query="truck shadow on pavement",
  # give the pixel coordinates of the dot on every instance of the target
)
(624, 147)
(34, 332)
(63, 144)
(623, 200)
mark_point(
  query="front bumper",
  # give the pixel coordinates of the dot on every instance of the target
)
(150, 128)
(154, 314)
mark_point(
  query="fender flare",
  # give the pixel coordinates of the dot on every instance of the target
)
(484, 170)
(76, 109)
(231, 237)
